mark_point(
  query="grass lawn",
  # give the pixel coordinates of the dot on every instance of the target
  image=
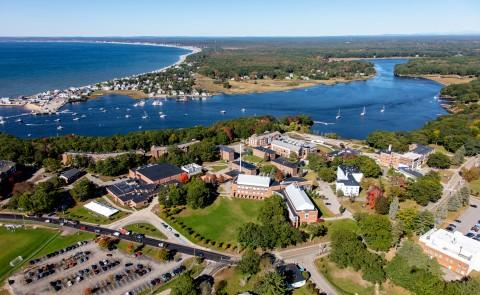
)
(216, 168)
(83, 214)
(409, 204)
(252, 159)
(325, 212)
(220, 221)
(356, 206)
(475, 187)
(324, 148)
(146, 229)
(346, 281)
(62, 241)
(303, 291)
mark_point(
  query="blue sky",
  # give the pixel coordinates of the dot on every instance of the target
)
(236, 18)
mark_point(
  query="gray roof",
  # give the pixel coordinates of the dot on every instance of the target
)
(159, 171)
(265, 150)
(284, 162)
(70, 173)
(246, 165)
(349, 169)
(226, 149)
(422, 149)
(6, 165)
(350, 181)
(410, 172)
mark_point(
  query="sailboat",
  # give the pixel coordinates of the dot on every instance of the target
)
(243, 110)
(338, 115)
(127, 116)
(145, 116)
(59, 128)
(382, 110)
(223, 112)
(363, 112)
(2, 121)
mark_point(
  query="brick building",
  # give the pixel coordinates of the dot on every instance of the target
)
(263, 139)
(227, 153)
(158, 173)
(288, 168)
(253, 187)
(243, 167)
(300, 207)
(264, 153)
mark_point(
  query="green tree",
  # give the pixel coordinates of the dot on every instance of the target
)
(250, 262)
(426, 189)
(459, 156)
(83, 190)
(377, 231)
(51, 165)
(424, 222)
(408, 216)
(199, 194)
(172, 195)
(272, 283)
(184, 285)
(394, 206)
(327, 174)
(439, 160)
(382, 205)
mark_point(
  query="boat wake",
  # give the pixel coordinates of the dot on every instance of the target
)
(323, 123)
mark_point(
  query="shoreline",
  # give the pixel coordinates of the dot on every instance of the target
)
(54, 105)
(443, 80)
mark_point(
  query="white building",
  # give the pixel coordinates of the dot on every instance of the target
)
(101, 209)
(192, 169)
(454, 251)
(348, 180)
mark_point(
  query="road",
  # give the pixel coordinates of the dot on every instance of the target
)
(305, 257)
(106, 231)
(454, 184)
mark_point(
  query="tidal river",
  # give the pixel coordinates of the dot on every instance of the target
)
(388, 103)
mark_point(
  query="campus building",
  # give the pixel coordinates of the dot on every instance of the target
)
(226, 153)
(452, 250)
(264, 139)
(158, 173)
(300, 207)
(133, 192)
(264, 153)
(244, 167)
(288, 168)
(253, 187)
(416, 157)
(287, 146)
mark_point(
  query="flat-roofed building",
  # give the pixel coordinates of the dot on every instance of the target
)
(244, 167)
(264, 153)
(288, 168)
(300, 207)
(100, 208)
(159, 173)
(253, 187)
(287, 146)
(133, 192)
(226, 153)
(264, 139)
(413, 159)
(192, 169)
(452, 250)
(70, 175)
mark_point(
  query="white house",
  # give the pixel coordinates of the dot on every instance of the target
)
(192, 169)
(348, 180)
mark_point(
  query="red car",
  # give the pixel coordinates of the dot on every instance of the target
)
(138, 254)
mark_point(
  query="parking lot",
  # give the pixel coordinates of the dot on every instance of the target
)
(86, 268)
(469, 219)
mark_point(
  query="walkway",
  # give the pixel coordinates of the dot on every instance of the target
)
(331, 198)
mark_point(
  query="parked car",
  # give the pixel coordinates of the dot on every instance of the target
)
(473, 206)
(470, 235)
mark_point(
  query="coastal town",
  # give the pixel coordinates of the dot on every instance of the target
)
(172, 82)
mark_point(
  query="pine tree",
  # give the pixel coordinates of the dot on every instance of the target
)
(464, 195)
(454, 203)
(394, 205)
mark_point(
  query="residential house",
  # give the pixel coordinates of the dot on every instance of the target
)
(348, 180)
(264, 139)
(288, 168)
(159, 173)
(264, 153)
(452, 250)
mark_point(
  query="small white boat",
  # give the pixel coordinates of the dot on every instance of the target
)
(140, 127)
(223, 111)
(128, 110)
(364, 112)
(74, 114)
(59, 128)
(185, 114)
(57, 120)
(19, 120)
(104, 111)
(163, 116)
(243, 110)
(145, 115)
(29, 135)
(382, 110)
(117, 108)
(139, 104)
(338, 116)
(127, 116)
(157, 103)
(76, 119)
(83, 116)
(2, 121)
(89, 109)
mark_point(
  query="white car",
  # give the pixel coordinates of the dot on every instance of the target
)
(116, 234)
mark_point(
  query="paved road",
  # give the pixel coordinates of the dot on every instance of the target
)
(106, 231)
(454, 184)
(305, 257)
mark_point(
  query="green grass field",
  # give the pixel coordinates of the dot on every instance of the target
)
(475, 187)
(325, 212)
(252, 159)
(30, 243)
(146, 229)
(220, 221)
(83, 214)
